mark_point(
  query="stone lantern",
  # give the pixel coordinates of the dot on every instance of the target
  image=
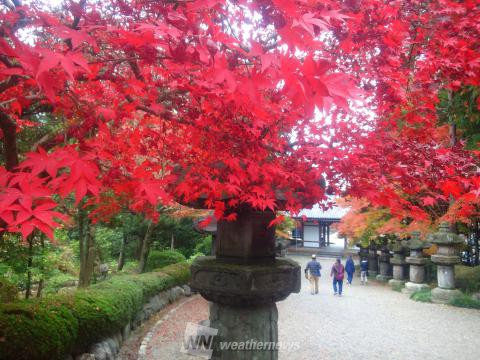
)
(372, 259)
(243, 282)
(398, 263)
(417, 264)
(445, 259)
(362, 251)
(384, 265)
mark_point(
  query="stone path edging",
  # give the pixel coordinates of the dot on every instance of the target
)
(108, 348)
(142, 351)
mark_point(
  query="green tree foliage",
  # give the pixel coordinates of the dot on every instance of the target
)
(461, 108)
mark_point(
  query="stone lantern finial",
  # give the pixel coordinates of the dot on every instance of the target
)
(415, 243)
(444, 236)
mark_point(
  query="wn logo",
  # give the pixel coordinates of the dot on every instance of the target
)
(198, 340)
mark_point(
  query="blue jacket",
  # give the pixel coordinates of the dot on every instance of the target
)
(350, 266)
(314, 267)
(364, 265)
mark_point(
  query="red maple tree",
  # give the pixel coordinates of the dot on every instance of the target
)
(231, 100)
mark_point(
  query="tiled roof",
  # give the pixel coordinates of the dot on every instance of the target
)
(317, 213)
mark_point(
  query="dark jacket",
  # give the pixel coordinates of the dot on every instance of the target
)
(364, 265)
(314, 267)
(350, 266)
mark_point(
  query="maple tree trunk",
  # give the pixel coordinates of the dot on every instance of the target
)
(87, 249)
(145, 248)
(42, 280)
(10, 152)
(453, 134)
(40, 288)
(28, 286)
(121, 256)
(81, 239)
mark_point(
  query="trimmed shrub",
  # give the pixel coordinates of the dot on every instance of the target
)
(8, 291)
(179, 271)
(44, 329)
(160, 259)
(467, 278)
(57, 325)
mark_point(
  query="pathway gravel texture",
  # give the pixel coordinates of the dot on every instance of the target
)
(367, 322)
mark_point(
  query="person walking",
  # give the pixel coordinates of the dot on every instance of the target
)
(338, 273)
(349, 269)
(312, 273)
(364, 271)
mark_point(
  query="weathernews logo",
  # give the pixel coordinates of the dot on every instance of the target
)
(199, 340)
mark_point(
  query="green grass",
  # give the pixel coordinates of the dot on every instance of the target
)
(466, 302)
(397, 288)
(422, 296)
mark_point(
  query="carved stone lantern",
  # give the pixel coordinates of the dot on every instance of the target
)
(417, 264)
(384, 265)
(243, 282)
(445, 259)
(398, 263)
(372, 259)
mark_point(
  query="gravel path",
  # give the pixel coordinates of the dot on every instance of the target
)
(367, 322)
(373, 322)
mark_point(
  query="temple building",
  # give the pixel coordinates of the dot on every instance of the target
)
(313, 226)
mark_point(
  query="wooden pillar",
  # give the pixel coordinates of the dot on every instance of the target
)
(303, 235)
(325, 234)
(328, 235)
(319, 235)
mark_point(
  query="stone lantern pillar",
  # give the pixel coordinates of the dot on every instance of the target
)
(398, 263)
(243, 282)
(417, 264)
(362, 251)
(445, 259)
(385, 267)
(372, 259)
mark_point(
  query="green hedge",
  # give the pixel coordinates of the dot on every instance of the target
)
(160, 259)
(57, 325)
(467, 278)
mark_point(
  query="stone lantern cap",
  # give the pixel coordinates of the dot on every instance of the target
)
(398, 246)
(244, 285)
(444, 236)
(415, 243)
(361, 246)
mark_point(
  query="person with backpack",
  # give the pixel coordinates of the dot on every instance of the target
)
(364, 271)
(349, 269)
(313, 269)
(338, 273)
